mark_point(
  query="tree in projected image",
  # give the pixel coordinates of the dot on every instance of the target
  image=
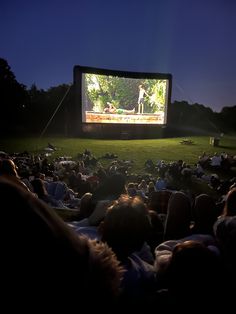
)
(123, 92)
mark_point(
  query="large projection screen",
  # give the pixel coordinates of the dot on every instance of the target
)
(121, 97)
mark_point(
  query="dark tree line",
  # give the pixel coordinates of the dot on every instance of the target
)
(28, 111)
(13, 97)
(197, 119)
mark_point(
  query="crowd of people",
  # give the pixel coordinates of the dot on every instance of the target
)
(137, 241)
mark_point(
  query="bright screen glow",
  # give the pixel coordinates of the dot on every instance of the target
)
(115, 99)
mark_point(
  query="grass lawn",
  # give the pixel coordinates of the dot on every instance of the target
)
(137, 150)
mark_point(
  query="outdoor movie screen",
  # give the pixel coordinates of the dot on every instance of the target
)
(126, 100)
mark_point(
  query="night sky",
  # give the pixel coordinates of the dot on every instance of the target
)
(194, 40)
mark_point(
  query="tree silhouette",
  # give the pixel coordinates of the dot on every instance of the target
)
(13, 99)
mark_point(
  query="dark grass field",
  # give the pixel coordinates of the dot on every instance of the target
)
(136, 150)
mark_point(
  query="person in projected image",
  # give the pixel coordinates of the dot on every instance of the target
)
(142, 93)
(112, 109)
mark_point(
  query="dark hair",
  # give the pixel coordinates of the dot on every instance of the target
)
(230, 204)
(126, 225)
(110, 189)
(8, 167)
(195, 272)
(39, 188)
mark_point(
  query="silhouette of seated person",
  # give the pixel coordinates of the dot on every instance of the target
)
(9, 170)
(112, 109)
(125, 228)
(44, 261)
(195, 271)
(40, 189)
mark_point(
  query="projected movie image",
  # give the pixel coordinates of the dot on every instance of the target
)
(114, 99)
